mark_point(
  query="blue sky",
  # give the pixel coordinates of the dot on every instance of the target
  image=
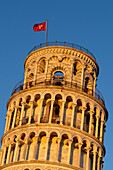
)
(86, 23)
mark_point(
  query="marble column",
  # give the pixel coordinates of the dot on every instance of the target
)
(14, 118)
(7, 118)
(69, 151)
(73, 113)
(58, 150)
(101, 130)
(8, 154)
(40, 110)
(46, 149)
(25, 150)
(35, 147)
(79, 154)
(82, 122)
(22, 113)
(31, 111)
(3, 157)
(97, 123)
(51, 111)
(62, 113)
(87, 157)
(90, 122)
(94, 159)
(15, 152)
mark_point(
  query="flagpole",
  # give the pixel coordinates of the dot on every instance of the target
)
(47, 31)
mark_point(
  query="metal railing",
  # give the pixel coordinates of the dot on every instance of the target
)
(65, 44)
(62, 84)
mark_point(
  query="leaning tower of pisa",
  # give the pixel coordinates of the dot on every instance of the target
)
(56, 117)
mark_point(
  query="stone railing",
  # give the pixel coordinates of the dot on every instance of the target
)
(20, 86)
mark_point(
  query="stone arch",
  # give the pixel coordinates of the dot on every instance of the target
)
(88, 83)
(74, 151)
(53, 147)
(46, 107)
(93, 148)
(87, 117)
(86, 144)
(36, 108)
(68, 111)
(58, 67)
(55, 131)
(20, 152)
(78, 113)
(22, 135)
(64, 148)
(57, 106)
(40, 132)
(41, 149)
(78, 137)
(30, 146)
(41, 65)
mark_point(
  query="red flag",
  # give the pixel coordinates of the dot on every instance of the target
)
(40, 27)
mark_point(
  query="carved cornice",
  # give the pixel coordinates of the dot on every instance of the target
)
(62, 50)
(41, 163)
(63, 89)
(55, 127)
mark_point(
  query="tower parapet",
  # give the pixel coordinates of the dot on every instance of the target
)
(56, 116)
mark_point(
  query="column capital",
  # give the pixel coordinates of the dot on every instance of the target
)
(7, 114)
(94, 152)
(52, 100)
(58, 139)
(31, 102)
(74, 104)
(41, 99)
(84, 108)
(102, 121)
(63, 101)
(88, 148)
(80, 144)
(91, 112)
(10, 109)
(70, 141)
(16, 107)
(23, 103)
(97, 116)
(36, 136)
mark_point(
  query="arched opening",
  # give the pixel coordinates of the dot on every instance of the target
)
(30, 147)
(17, 117)
(87, 118)
(83, 155)
(41, 150)
(26, 114)
(93, 127)
(42, 65)
(78, 114)
(74, 152)
(64, 147)
(91, 157)
(68, 111)
(46, 108)
(53, 147)
(11, 121)
(20, 151)
(20, 102)
(75, 68)
(57, 109)
(36, 105)
(88, 85)
(58, 78)
(12, 148)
